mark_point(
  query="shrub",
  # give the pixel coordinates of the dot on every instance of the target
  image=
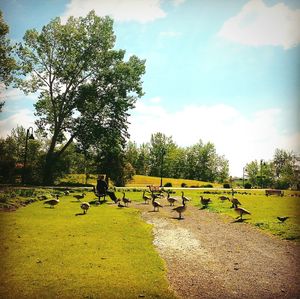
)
(248, 186)
(168, 184)
(207, 186)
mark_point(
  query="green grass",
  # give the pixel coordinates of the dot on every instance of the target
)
(138, 181)
(51, 253)
(264, 211)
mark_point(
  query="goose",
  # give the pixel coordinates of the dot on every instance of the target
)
(184, 197)
(120, 205)
(146, 198)
(204, 201)
(282, 219)
(171, 200)
(155, 204)
(85, 206)
(241, 212)
(52, 202)
(181, 209)
(223, 197)
(235, 202)
(79, 197)
(125, 200)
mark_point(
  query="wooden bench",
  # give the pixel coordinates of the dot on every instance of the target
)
(154, 189)
(274, 192)
(99, 195)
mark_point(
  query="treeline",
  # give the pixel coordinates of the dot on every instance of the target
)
(163, 157)
(282, 172)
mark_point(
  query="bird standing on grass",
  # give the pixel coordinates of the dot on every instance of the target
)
(52, 202)
(85, 206)
(125, 200)
(282, 219)
(235, 202)
(204, 201)
(146, 198)
(156, 205)
(79, 197)
(181, 209)
(241, 212)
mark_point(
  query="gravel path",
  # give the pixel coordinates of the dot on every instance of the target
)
(208, 255)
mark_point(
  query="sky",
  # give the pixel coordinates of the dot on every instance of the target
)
(226, 72)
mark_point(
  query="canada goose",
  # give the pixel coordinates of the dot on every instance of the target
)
(234, 202)
(146, 198)
(204, 201)
(171, 200)
(85, 206)
(120, 205)
(67, 192)
(79, 197)
(223, 197)
(125, 200)
(184, 197)
(241, 212)
(42, 197)
(52, 202)
(155, 204)
(181, 209)
(282, 219)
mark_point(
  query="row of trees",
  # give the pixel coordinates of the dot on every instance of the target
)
(282, 172)
(161, 156)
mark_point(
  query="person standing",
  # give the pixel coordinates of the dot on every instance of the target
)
(102, 188)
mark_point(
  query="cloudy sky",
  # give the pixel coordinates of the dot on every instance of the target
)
(221, 71)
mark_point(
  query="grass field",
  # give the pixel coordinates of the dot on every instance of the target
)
(108, 253)
(52, 253)
(139, 181)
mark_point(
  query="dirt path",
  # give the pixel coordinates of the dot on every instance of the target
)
(210, 256)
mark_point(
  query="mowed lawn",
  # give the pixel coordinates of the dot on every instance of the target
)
(60, 253)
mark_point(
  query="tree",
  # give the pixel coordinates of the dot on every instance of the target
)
(286, 168)
(7, 62)
(86, 87)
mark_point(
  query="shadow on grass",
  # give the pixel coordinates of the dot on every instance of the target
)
(80, 214)
(239, 220)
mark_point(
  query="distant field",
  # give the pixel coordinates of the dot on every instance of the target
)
(140, 181)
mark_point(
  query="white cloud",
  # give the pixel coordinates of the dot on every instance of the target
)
(23, 117)
(241, 139)
(14, 94)
(142, 11)
(258, 25)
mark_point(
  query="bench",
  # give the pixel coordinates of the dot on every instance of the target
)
(99, 195)
(274, 192)
(154, 189)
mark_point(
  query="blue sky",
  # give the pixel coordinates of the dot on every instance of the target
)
(221, 71)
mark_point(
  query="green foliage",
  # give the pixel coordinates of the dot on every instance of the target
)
(168, 184)
(99, 85)
(7, 62)
(248, 186)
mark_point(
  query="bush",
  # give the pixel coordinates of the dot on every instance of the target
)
(248, 186)
(207, 186)
(226, 185)
(168, 184)
(183, 185)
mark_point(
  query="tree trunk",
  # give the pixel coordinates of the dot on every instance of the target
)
(48, 178)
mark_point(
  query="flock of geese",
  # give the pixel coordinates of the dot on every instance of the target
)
(153, 198)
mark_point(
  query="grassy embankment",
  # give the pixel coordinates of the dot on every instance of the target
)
(59, 253)
(140, 181)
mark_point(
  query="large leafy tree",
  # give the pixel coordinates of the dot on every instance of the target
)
(7, 62)
(85, 86)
